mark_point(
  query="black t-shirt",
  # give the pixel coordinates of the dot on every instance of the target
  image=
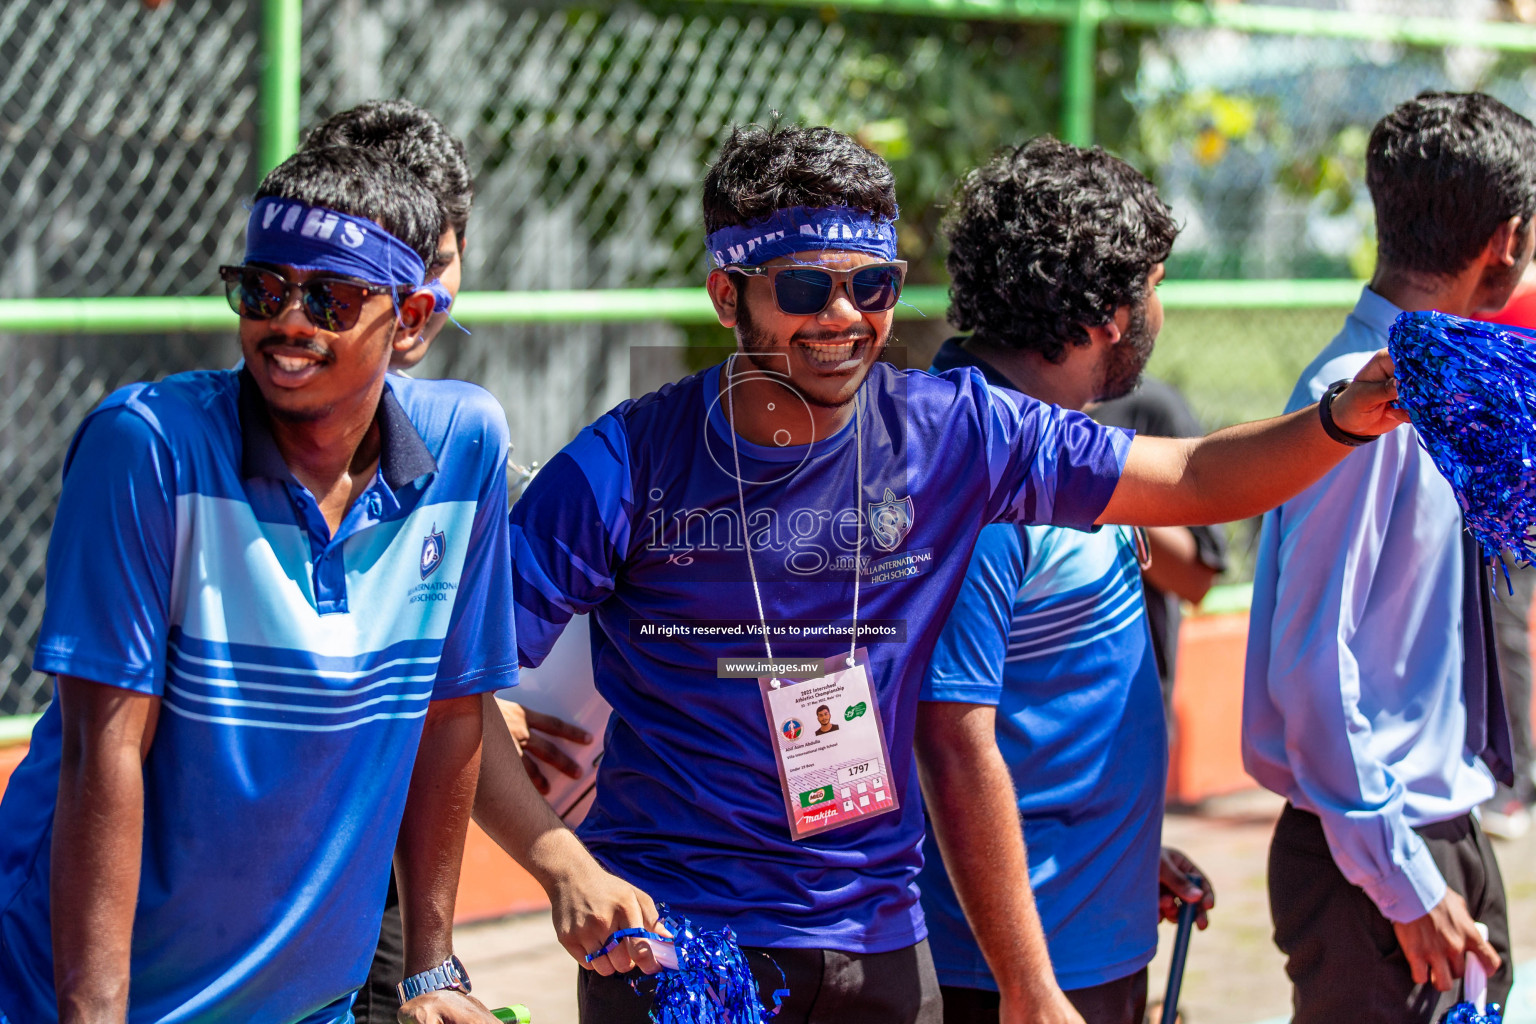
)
(1158, 410)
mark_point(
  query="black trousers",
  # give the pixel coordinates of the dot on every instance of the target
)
(378, 999)
(1342, 955)
(1122, 1001)
(826, 986)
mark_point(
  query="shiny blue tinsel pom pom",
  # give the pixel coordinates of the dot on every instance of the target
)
(1470, 389)
(712, 983)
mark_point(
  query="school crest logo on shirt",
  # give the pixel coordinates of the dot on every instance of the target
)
(431, 552)
(890, 520)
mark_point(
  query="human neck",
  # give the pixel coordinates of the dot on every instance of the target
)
(1458, 295)
(328, 454)
(764, 410)
(1069, 384)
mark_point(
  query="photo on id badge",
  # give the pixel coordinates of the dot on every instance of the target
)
(830, 777)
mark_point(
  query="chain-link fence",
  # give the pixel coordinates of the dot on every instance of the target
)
(130, 141)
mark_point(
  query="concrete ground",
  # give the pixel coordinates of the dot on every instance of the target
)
(1234, 976)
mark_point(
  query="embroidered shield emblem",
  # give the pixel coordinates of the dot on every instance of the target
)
(431, 552)
(889, 520)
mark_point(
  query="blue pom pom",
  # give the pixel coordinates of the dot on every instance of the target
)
(712, 983)
(1466, 1013)
(1470, 389)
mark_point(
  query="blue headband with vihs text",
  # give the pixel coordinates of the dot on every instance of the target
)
(287, 233)
(803, 229)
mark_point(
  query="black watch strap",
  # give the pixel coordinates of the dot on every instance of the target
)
(1332, 429)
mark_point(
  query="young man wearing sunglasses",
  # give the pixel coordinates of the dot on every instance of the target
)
(805, 501)
(1042, 703)
(265, 585)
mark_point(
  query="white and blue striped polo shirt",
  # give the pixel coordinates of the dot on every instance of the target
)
(294, 667)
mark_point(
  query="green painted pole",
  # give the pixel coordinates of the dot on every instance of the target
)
(1078, 57)
(281, 24)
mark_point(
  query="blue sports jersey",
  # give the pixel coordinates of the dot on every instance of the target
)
(294, 668)
(1050, 627)
(637, 521)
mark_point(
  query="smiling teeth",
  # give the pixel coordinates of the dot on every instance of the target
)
(831, 353)
(292, 364)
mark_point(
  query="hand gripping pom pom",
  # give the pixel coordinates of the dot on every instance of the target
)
(711, 984)
(1470, 390)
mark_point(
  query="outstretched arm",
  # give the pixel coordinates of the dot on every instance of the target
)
(1252, 467)
(98, 840)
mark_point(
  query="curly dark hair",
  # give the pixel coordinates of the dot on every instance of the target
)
(364, 184)
(1047, 240)
(1445, 170)
(413, 138)
(762, 169)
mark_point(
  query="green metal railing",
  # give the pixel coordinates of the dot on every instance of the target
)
(279, 135)
(675, 305)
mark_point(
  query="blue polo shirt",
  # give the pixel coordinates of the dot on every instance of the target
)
(638, 521)
(294, 669)
(1050, 627)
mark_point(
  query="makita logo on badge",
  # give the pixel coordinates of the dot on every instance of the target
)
(319, 223)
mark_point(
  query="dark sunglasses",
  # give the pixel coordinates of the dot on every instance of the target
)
(331, 303)
(805, 291)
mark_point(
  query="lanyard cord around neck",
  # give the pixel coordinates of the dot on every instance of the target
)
(746, 533)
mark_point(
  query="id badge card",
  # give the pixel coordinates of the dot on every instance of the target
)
(834, 768)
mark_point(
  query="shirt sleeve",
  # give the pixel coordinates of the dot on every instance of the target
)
(111, 556)
(570, 533)
(480, 649)
(967, 664)
(1047, 466)
(1314, 676)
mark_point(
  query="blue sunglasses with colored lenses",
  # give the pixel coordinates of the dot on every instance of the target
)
(806, 291)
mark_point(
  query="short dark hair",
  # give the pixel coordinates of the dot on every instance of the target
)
(766, 168)
(1445, 170)
(822, 708)
(1047, 240)
(361, 183)
(412, 137)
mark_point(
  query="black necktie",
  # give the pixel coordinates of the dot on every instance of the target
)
(1488, 734)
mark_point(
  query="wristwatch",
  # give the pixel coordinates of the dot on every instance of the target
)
(448, 974)
(1332, 429)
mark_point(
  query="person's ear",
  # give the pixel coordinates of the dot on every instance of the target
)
(415, 311)
(1508, 243)
(724, 292)
(1111, 330)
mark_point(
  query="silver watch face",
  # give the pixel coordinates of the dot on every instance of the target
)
(458, 967)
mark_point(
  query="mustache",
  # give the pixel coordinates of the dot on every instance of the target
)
(308, 345)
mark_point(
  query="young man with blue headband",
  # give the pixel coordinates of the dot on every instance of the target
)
(789, 529)
(278, 601)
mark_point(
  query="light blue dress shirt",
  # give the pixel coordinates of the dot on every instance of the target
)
(1353, 706)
